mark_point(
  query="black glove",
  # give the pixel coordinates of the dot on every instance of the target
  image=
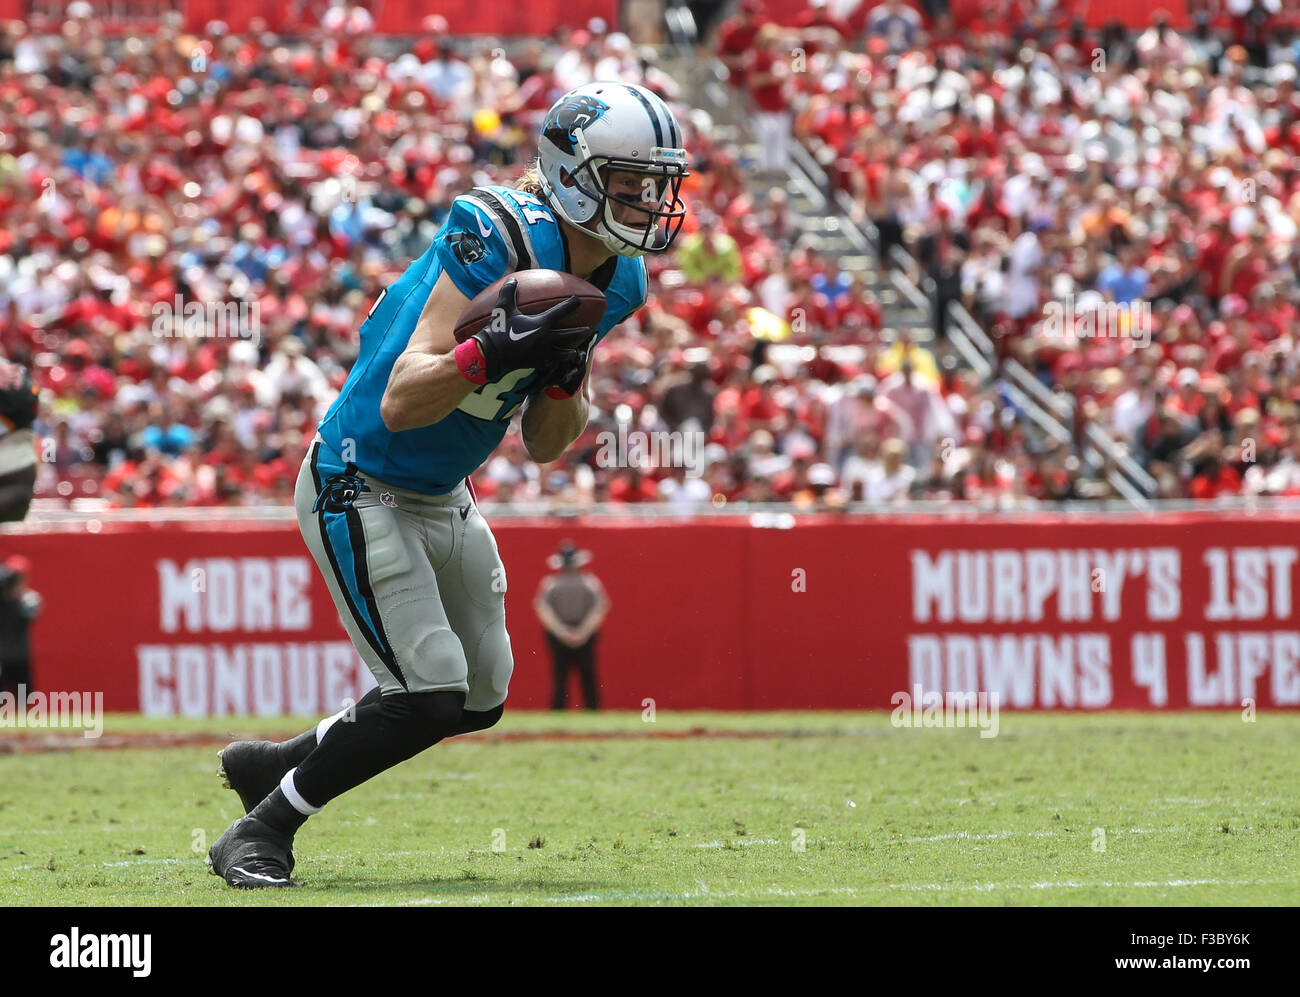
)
(567, 374)
(512, 340)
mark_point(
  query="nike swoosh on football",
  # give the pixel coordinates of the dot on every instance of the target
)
(484, 232)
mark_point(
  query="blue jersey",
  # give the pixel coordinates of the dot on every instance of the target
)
(490, 232)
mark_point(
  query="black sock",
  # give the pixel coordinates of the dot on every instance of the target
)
(277, 812)
(294, 751)
(380, 736)
(472, 720)
(280, 814)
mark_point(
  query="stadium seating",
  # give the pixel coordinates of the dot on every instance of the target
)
(252, 168)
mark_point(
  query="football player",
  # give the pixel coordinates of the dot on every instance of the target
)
(382, 499)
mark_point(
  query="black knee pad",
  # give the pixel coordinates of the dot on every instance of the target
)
(422, 718)
(438, 711)
(471, 720)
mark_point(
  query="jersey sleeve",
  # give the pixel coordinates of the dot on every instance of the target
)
(626, 295)
(638, 296)
(472, 249)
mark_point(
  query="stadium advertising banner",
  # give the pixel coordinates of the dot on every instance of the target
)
(1149, 613)
(174, 621)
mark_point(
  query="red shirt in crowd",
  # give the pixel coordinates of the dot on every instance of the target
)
(640, 489)
(734, 40)
(769, 96)
(1213, 248)
(1224, 481)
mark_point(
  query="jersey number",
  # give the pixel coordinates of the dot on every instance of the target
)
(529, 205)
(486, 402)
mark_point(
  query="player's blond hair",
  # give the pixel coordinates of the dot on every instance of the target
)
(530, 181)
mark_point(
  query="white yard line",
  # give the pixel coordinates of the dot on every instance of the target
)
(635, 895)
(1074, 885)
(743, 842)
(968, 836)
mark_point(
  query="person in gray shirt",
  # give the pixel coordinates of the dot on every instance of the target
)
(572, 605)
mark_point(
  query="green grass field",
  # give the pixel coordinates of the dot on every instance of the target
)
(1195, 809)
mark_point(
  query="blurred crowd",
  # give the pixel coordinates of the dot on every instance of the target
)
(299, 177)
(1119, 210)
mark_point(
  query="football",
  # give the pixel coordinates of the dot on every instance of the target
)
(538, 290)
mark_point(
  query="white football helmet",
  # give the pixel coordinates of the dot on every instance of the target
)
(605, 126)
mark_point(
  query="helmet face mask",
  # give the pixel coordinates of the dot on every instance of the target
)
(652, 217)
(599, 133)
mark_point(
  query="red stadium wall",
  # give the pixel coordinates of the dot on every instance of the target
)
(1161, 612)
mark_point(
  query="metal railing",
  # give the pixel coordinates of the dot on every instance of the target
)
(967, 338)
(1125, 475)
(1051, 412)
(1111, 451)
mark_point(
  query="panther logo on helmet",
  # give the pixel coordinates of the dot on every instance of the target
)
(580, 112)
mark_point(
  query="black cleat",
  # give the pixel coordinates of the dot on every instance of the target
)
(252, 769)
(252, 856)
